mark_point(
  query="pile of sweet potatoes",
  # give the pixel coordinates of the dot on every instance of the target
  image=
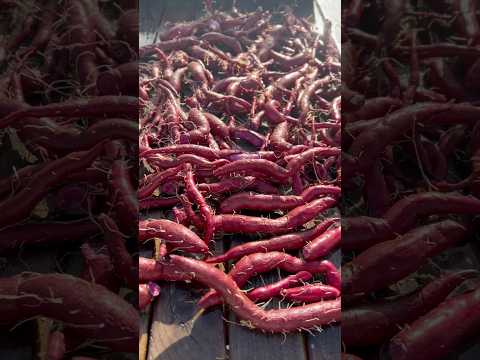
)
(240, 165)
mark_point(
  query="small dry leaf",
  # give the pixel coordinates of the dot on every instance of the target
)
(41, 209)
(20, 148)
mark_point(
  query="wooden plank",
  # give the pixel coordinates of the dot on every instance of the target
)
(249, 344)
(245, 343)
(177, 333)
(143, 334)
(326, 345)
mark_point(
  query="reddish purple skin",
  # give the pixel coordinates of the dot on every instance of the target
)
(219, 38)
(151, 270)
(168, 162)
(180, 149)
(99, 107)
(124, 197)
(169, 45)
(279, 138)
(297, 162)
(304, 101)
(289, 62)
(98, 268)
(263, 166)
(283, 320)
(255, 264)
(368, 146)
(17, 180)
(217, 126)
(122, 260)
(250, 136)
(96, 314)
(362, 232)
(13, 238)
(311, 293)
(376, 191)
(382, 319)
(377, 107)
(56, 346)
(272, 290)
(19, 207)
(279, 243)
(195, 196)
(152, 182)
(157, 203)
(198, 72)
(227, 185)
(201, 128)
(385, 263)
(295, 218)
(403, 215)
(122, 79)
(261, 202)
(323, 244)
(441, 331)
(176, 235)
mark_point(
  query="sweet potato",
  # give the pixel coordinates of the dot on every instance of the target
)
(98, 314)
(283, 320)
(385, 263)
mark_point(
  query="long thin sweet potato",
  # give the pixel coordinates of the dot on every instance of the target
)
(262, 166)
(122, 260)
(261, 202)
(277, 321)
(311, 293)
(323, 244)
(19, 207)
(295, 218)
(433, 334)
(361, 232)
(151, 270)
(381, 320)
(13, 238)
(176, 235)
(404, 214)
(254, 264)
(390, 261)
(279, 243)
(272, 290)
(90, 310)
(124, 196)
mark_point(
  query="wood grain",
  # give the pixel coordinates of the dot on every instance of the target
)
(253, 345)
(177, 333)
(143, 335)
(326, 345)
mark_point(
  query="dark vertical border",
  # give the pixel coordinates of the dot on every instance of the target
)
(68, 179)
(410, 186)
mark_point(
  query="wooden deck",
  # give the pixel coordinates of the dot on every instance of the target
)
(172, 329)
(176, 331)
